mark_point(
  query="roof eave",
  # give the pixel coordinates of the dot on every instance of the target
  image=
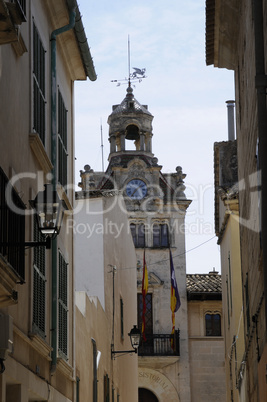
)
(221, 33)
(79, 31)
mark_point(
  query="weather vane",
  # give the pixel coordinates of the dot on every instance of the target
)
(137, 76)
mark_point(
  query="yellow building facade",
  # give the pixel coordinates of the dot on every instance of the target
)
(40, 58)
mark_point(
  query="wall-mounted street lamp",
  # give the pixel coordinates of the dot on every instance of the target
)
(135, 337)
(49, 211)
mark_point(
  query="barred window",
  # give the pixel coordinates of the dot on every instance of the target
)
(138, 234)
(39, 283)
(39, 100)
(160, 235)
(62, 141)
(62, 305)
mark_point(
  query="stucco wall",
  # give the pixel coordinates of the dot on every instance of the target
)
(109, 246)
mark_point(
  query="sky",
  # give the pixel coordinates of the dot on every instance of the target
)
(186, 98)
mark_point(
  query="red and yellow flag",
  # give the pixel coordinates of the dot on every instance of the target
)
(144, 292)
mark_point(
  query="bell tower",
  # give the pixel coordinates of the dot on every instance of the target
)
(156, 205)
(130, 121)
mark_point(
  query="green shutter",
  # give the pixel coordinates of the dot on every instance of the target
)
(39, 284)
(62, 306)
(39, 101)
(62, 141)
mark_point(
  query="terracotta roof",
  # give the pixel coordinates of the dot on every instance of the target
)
(204, 286)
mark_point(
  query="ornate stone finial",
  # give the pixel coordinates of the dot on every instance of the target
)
(154, 161)
(88, 181)
(87, 168)
(180, 182)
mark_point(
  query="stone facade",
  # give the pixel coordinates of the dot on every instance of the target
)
(206, 349)
(236, 39)
(156, 206)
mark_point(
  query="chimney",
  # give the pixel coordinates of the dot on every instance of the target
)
(231, 119)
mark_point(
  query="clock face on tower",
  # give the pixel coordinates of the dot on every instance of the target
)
(136, 189)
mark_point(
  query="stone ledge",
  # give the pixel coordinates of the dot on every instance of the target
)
(39, 152)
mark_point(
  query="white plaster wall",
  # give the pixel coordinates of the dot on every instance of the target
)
(87, 224)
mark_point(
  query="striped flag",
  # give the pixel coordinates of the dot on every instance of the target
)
(175, 298)
(144, 292)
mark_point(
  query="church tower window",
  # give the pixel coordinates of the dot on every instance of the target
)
(138, 234)
(160, 235)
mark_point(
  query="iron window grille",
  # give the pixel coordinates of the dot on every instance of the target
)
(12, 228)
(62, 141)
(62, 305)
(39, 284)
(39, 82)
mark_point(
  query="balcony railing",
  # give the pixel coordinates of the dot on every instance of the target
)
(160, 345)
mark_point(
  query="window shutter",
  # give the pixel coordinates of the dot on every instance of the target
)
(39, 83)
(39, 284)
(62, 306)
(62, 141)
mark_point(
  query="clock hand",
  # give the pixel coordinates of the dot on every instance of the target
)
(136, 190)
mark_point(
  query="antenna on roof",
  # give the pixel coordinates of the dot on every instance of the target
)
(137, 76)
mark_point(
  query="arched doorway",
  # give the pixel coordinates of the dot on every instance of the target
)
(144, 395)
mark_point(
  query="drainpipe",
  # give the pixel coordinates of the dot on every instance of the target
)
(231, 119)
(261, 85)
(54, 35)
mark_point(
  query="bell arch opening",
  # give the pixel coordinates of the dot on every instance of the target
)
(132, 132)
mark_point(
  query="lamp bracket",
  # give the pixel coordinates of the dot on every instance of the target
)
(122, 352)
